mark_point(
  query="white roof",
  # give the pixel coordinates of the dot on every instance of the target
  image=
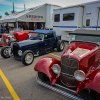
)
(15, 16)
(79, 5)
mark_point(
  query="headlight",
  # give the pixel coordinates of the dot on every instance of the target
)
(56, 69)
(19, 52)
(79, 75)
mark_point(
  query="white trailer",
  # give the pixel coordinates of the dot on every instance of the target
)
(83, 16)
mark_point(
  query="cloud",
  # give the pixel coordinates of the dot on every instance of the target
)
(31, 3)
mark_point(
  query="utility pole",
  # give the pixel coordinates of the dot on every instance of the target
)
(13, 7)
(24, 6)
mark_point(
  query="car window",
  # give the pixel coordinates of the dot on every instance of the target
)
(36, 36)
(85, 38)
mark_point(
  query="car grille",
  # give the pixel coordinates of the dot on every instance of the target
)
(3, 40)
(15, 49)
(68, 67)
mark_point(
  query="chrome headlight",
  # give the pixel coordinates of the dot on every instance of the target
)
(79, 75)
(19, 52)
(56, 69)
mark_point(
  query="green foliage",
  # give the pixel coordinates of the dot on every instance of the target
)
(6, 13)
(0, 16)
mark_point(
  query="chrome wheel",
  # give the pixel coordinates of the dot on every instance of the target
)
(62, 46)
(29, 58)
(7, 52)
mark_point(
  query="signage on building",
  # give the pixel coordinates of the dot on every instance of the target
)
(34, 17)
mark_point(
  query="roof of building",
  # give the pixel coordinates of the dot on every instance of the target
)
(13, 17)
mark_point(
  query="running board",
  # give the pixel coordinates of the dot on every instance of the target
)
(58, 90)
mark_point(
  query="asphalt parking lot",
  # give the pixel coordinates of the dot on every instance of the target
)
(18, 82)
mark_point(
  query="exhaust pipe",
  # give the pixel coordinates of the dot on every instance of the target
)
(58, 90)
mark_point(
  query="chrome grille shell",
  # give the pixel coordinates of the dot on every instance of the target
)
(3, 40)
(68, 67)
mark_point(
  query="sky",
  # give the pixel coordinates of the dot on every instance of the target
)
(7, 5)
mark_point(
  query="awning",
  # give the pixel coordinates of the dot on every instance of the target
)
(36, 14)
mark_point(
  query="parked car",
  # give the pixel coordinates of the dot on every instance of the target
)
(78, 68)
(17, 36)
(40, 42)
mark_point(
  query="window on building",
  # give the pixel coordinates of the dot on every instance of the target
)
(57, 18)
(68, 16)
(87, 23)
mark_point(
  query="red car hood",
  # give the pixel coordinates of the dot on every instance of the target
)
(79, 50)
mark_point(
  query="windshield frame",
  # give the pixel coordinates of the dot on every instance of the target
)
(98, 43)
(36, 36)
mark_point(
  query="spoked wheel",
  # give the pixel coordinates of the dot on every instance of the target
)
(60, 45)
(27, 57)
(43, 76)
(6, 52)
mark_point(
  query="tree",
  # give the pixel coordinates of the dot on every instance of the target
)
(0, 16)
(6, 13)
(13, 12)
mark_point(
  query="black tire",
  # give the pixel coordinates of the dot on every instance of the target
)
(43, 76)
(59, 44)
(97, 96)
(10, 43)
(24, 55)
(4, 52)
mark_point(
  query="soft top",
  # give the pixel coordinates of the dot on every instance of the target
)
(43, 31)
(86, 32)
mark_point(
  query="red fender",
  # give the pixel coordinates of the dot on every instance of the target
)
(44, 65)
(92, 83)
(6, 37)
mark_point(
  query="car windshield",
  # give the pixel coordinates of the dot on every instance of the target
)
(85, 38)
(36, 36)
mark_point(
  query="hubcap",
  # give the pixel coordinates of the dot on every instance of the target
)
(7, 52)
(29, 58)
(62, 46)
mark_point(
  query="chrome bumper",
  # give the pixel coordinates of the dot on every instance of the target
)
(58, 90)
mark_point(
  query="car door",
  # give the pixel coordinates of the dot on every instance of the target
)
(49, 41)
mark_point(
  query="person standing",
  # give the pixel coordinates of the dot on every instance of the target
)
(42, 27)
(0, 28)
(7, 28)
(35, 27)
(26, 27)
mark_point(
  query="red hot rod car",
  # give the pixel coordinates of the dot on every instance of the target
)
(17, 36)
(78, 68)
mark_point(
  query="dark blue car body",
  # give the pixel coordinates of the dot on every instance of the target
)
(37, 46)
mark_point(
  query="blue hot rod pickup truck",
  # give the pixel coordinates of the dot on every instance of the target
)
(40, 42)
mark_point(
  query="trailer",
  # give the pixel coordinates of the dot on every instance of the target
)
(83, 16)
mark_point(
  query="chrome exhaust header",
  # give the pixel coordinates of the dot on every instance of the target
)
(58, 90)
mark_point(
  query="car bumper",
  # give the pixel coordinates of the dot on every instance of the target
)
(57, 90)
(17, 57)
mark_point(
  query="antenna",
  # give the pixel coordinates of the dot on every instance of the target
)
(24, 7)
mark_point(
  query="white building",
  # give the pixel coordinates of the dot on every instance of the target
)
(36, 15)
(83, 16)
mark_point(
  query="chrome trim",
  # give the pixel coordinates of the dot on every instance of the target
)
(67, 74)
(68, 85)
(58, 90)
(65, 88)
